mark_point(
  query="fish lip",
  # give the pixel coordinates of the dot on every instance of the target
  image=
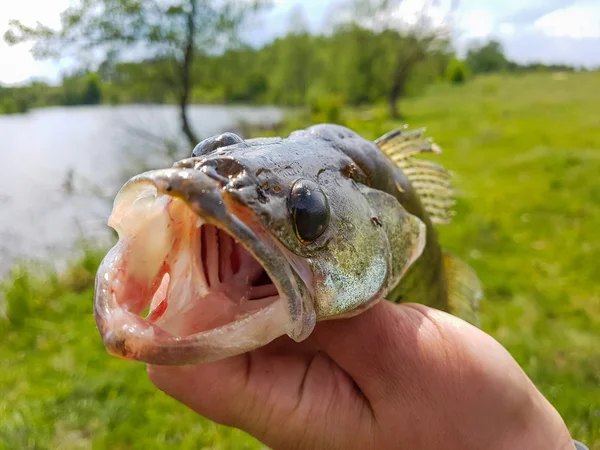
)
(146, 342)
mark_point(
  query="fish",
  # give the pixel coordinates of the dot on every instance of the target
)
(249, 240)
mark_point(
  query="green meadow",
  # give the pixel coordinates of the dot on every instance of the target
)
(525, 152)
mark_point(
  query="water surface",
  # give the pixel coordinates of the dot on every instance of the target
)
(59, 167)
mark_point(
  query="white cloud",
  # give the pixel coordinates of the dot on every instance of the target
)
(476, 24)
(411, 11)
(16, 63)
(30, 11)
(507, 29)
(579, 21)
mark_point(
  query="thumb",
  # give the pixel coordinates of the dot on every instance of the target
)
(389, 346)
(209, 389)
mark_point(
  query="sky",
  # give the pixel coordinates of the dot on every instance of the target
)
(550, 31)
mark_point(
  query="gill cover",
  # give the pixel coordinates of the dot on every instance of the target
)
(405, 234)
(358, 271)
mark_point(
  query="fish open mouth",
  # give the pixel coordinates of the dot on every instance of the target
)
(195, 277)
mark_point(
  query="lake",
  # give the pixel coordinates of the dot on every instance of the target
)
(60, 167)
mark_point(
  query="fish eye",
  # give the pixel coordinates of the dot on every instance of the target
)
(309, 208)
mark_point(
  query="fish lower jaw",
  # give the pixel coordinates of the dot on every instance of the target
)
(176, 290)
(130, 337)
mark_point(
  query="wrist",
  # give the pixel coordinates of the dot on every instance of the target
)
(541, 428)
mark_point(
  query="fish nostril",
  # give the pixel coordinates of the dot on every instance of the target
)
(188, 163)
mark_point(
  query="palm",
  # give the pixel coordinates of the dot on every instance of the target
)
(388, 378)
(287, 384)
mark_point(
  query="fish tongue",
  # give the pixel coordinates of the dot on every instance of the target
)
(210, 311)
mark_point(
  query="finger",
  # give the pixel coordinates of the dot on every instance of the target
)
(233, 391)
(208, 389)
(386, 348)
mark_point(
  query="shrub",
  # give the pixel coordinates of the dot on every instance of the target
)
(326, 108)
(18, 295)
(457, 72)
(8, 106)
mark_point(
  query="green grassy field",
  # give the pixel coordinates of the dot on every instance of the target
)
(526, 156)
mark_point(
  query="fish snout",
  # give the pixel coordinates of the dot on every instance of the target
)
(186, 246)
(201, 191)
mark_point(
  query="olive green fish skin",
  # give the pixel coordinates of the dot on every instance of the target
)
(373, 234)
(425, 280)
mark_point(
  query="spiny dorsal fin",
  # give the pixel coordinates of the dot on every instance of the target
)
(430, 181)
(463, 287)
(400, 144)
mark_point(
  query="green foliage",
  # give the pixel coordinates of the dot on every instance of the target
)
(146, 82)
(222, 75)
(541, 68)
(291, 76)
(82, 89)
(76, 89)
(92, 94)
(355, 63)
(80, 274)
(14, 101)
(487, 58)
(326, 109)
(457, 72)
(18, 295)
(8, 106)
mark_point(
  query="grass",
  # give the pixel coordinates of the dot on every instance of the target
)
(526, 154)
(60, 389)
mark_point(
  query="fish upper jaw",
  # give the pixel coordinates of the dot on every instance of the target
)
(195, 277)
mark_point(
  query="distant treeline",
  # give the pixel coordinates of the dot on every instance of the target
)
(77, 89)
(352, 66)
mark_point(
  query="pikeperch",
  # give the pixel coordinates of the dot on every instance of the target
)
(249, 240)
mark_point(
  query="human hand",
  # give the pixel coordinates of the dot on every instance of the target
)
(395, 376)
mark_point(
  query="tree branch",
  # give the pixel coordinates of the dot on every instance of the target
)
(186, 82)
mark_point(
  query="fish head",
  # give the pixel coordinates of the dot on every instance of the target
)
(242, 243)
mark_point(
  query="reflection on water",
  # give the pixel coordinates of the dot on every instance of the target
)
(55, 161)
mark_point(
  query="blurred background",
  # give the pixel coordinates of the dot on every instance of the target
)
(93, 92)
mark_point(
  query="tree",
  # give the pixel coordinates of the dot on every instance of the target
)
(487, 58)
(352, 64)
(457, 72)
(412, 43)
(93, 93)
(294, 56)
(73, 89)
(174, 31)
